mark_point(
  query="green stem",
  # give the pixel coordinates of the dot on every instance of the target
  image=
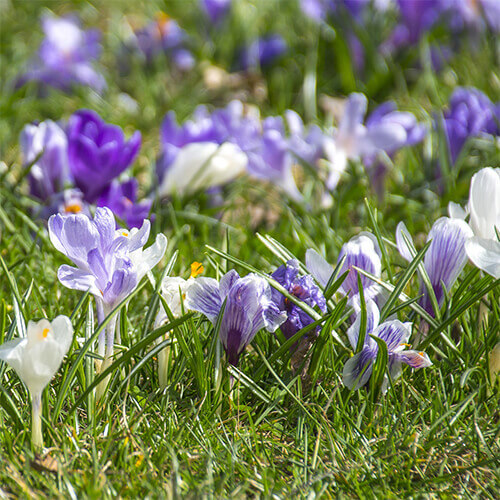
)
(36, 421)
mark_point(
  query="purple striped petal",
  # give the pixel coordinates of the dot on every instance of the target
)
(203, 296)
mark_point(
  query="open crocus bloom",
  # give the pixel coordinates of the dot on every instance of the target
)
(201, 165)
(353, 140)
(110, 263)
(361, 251)
(248, 308)
(358, 369)
(445, 257)
(37, 358)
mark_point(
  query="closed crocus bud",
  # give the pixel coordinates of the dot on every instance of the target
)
(47, 144)
(201, 165)
(37, 358)
(98, 152)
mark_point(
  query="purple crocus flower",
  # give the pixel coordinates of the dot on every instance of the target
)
(97, 152)
(248, 308)
(358, 369)
(302, 287)
(363, 252)
(216, 10)
(65, 56)
(163, 35)
(387, 114)
(262, 52)
(109, 263)
(445, 257)
(69, 201)
(353, 140)
(50, 172)
(121, 198)
(470, 114)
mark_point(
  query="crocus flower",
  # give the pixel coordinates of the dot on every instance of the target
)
(483, 249)
(69, 201)
(445, 258)
(363, 252)
(262, 52)
(201, 165)
(121, 198)
(470, 114)
(110, 263)
(174, 290)
(358, 369)
(302, 287)
(216, 10)
(65, 56)
(98, 152)
(248, 308)
(50, 172)
(353, 140)
(36, 359)
(163, 35)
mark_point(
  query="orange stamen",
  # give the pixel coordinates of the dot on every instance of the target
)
(196, 269)
(45, 332)
(73, 208)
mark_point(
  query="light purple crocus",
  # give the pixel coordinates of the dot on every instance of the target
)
(362, 252)
(248, 308)
(48, 142)
(121, 198)
(163, 35)
(216, 10)
(262, 52)
(65, 57)
(387, 114)
(445, 258)
(98, 152)
(358, 369)
(470, 114)
(353, 140)
(109, 263)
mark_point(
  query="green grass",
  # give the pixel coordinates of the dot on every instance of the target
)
(435, 434)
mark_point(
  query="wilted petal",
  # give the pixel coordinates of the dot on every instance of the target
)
(485, 254)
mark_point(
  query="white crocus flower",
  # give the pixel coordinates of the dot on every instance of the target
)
(36, 359)
(483, 249)
(173, 290)
(201, 165)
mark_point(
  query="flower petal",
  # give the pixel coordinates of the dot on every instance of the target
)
(393, 333)
(318, 267)
(78, 279)
(357, 370)
(203, 296)
(485, 254)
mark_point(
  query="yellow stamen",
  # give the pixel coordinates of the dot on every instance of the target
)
(421, 353)
(73, 208)
(45, 332)
(124, 233)
(196, 269)
(406, 345)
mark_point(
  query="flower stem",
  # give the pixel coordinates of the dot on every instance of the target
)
(108, 356)
(36, 421)
(163, 361)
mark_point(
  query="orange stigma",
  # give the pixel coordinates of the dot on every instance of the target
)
(73, 208)
(45, 332)
(196, 269)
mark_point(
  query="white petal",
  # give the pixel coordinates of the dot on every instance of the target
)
(484, 202)
(404, 249)
(455, 211)
(485, 254)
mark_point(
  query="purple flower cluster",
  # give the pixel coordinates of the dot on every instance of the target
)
(470, 114)
(163, 36)
(89, 156)
(302, 287)
(66, 56)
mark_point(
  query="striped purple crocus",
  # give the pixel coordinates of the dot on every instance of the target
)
(358, 369)
(445, 257)
(248, 308)
(363, 252)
